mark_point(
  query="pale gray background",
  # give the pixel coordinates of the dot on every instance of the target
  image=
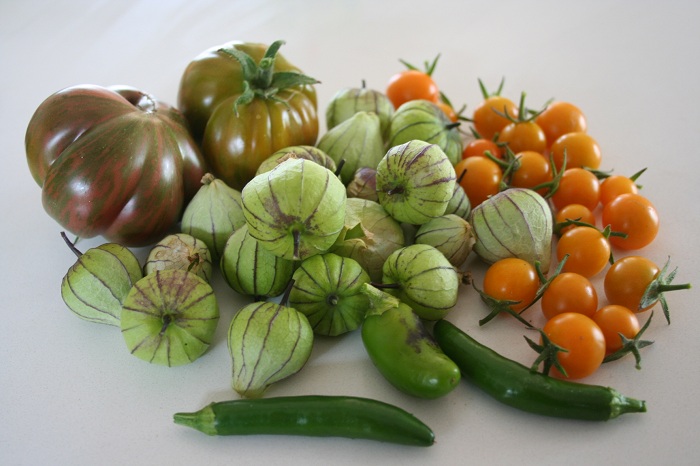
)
(71, 393)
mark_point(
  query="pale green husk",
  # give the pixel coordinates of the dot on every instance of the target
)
(169, 317)
(449, 234)
(267, 342)
(301, 152)
(425, 121)
(357, 142)
(252, 270)
(213, 214)
(327, 291)
(347, 102)
(295, 210)
(370, 236)
(95, 287)
(415, 182)
(514, 223)
(426, 280)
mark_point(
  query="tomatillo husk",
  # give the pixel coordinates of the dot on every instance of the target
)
(327, 291)
(295, 210)
(252, 270)
(180, 251)
(421, 277)
(449, 234)
(357, 142)
(169, 317)
(267, 342)
(424, 120)
(369, 237)
(347, 102)
(95, 287)
(516, 222)
(300, 152)
(213, 214)
(415, 182)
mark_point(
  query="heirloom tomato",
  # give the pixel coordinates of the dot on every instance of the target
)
(244, 102)
(114, 162)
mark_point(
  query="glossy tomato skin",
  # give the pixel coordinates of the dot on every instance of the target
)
(583, 340)
(236, 145)
(210, 85)
(113, 162)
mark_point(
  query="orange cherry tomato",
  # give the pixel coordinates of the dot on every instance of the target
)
(588, 250)
(627, 280)
(512, 279)
(486, 118)
(580, 148)
(560, 118)
(583, 340)
(614, 185)
(574, 212)
(523, 136)
(411, 85)
(577, 186)
(534, 169)
(447, 110)
(634, 215)
(482, 178)
(477, 148)
(614, 320)
(569, 292)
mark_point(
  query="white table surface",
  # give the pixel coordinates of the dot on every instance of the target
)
(70, 392)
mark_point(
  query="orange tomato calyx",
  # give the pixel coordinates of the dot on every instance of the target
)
(498, 306)
(631, 345)
(548, 354)
(486, 94)
(660, 285)
(428, 67)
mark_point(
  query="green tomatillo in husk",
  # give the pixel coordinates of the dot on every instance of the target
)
(364, 184)
(449, 234)
(327, 291)
(252, 270)
(424, 120)
(95, 287)
(169, 317)
(267, 342)
(516, 222)
(357, 142)
(420, 276)
(459, 203)
(295, 210)
(369, 237)
(347, 102)
(180, 251)
(300, 152)
(415, 182)
(215, 212)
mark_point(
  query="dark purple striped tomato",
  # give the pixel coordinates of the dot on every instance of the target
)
(237, 134)
(113, 162)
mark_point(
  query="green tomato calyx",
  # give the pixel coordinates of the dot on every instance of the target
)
(260, 79)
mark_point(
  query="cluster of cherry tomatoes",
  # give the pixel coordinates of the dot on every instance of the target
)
(552, 152)
(596, 214)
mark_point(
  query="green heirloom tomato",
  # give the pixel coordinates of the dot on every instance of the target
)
(113, 162)
(244, 102)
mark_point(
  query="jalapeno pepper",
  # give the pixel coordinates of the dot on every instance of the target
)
(402, 349)
(516, 385)
(314, 416)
